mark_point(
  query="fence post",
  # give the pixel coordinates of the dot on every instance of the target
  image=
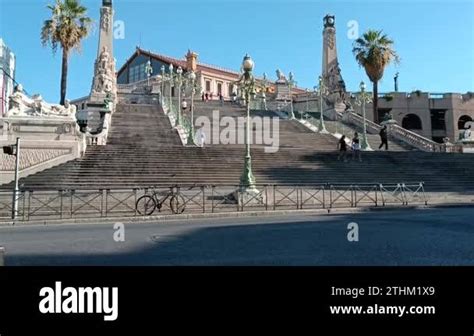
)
(376, 196)
(104, 195)
(404, 196)
(274, 197)
(61, 204)
(71, 209)
(135, 201)
(24, 204)
(266, 197)
(324, 195)
(2, 256)
(29, 205)
(422, 185)
(353, 196)
(381, 194)
(212, 199)
(203, 190)
(330, 196)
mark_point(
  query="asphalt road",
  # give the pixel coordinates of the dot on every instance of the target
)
(414, 237)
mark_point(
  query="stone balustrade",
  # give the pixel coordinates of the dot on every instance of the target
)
(398, 133)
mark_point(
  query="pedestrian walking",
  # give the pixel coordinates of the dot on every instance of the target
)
(201, 137)
(383, 137)
(356, 147)
(342, 146)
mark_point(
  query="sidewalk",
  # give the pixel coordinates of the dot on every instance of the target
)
(244, 214)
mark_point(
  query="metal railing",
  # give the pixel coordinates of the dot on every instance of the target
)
(73, 204)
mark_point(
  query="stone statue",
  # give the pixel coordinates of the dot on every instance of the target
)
(23, 106)
(104, 73)
(280, 75)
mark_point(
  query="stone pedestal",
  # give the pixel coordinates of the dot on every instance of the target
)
(45, 142)
(282, 90)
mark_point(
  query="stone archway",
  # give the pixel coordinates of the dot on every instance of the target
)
(463, 120)
(412, 122)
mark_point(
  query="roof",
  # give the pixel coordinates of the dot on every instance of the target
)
(182, 63)
(177, 62)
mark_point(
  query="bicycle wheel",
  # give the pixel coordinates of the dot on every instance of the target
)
(177, 204)
(146, 205)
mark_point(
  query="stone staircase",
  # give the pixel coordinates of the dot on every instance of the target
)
(291, 134)
(143, 150)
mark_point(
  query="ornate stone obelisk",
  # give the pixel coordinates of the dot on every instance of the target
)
(104, 84)
(331, 72)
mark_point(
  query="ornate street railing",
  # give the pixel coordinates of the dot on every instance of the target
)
(109, 203)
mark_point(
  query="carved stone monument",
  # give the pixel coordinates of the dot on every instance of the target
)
(337, 97)
(23, 106)
(49, 134)
(103, 94)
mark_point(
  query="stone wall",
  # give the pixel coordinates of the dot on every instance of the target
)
(44, 143)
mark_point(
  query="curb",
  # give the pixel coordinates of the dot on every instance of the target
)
(245, 214)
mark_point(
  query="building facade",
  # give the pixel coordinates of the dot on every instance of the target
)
(212, 80)
(7, 73)
(434, 116)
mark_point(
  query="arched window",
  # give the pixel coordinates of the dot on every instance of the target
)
(412, 122)
(462, 121)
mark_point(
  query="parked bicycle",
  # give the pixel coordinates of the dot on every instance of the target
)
(147, 204)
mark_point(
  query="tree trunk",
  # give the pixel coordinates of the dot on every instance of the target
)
(375, 102)
(64, 76)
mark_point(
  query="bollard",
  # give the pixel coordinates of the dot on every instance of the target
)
(2, 256)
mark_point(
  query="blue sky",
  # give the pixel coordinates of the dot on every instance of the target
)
(435, 39)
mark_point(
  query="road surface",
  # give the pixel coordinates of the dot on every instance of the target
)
(408, 237)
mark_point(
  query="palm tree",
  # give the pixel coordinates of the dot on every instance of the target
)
(374, 51)
(66, 28)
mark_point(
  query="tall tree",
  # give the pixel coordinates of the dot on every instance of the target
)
(374, 51)
(66, 28)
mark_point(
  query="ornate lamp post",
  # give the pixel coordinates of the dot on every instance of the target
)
(247, 87)
(308, 94)
(363, 99)
(171, 78)
(162, 91)
(148, 72)
(192, 78)
(291, 85)
(179, 80)
(322, 90)
(264, 87)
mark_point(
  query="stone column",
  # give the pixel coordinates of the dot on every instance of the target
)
(104, 84)
(331, 71)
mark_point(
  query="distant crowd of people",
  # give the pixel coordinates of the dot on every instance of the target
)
(206, 96)
(356, 147)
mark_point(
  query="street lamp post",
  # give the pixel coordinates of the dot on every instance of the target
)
(291, 84)
(171, 78)
(362, 100)
(307, 99)
(264, 91)
(148, 72)
(321, 91)
(179, 79)
(162, 92)
(247, 87)
(191, 140)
